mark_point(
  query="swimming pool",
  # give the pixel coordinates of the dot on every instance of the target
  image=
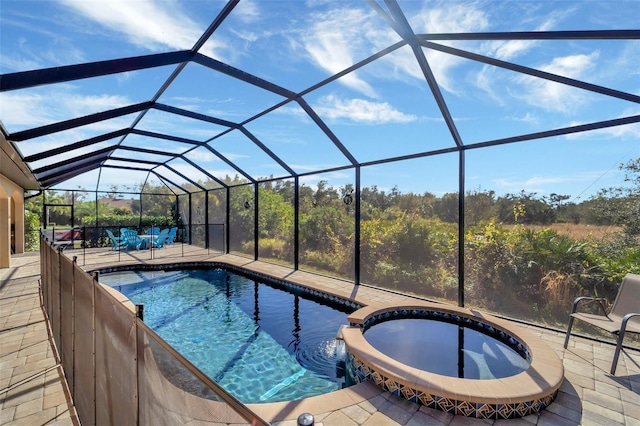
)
(258, 341)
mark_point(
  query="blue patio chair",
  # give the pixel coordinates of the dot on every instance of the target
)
(153, 231)
(172, 235)
(160, 240)
(130, 237)
(117, 241)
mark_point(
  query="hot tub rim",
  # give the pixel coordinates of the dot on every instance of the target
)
(534, 388)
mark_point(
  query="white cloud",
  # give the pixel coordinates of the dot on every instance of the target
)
(552, 96)
(109, 176)
(155, 144)
(571, 66)
(35, 147)
(150, 25)
(361, 111)
(41, 48)
(123, 77)
(335, 179)
(507, 50)
(339, 38)
(231, 156)
(541, 184)
(334, 41)
(631, 50)
(186, 169)
(450, 17)
(47, 145)
(311, 168)
(486, 80)
(621, 69)
(447, 17)
(201, 156)
(21, 110)
(172, 124)
(294, 111)
(248, 36)
(526, 118)
(628, 131)
(247, 11)
(78, 105)
(343, 37)
(61, 53)
(222, 173)
(12, 62)
(41, 107)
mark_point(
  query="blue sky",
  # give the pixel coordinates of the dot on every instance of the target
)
(384, 109)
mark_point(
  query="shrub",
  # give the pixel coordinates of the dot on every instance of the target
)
(31, 231)
(116, 220)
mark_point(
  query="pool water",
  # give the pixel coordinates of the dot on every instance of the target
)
(445, 348)
(259, 342)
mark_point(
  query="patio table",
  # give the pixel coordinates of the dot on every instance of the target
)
(146, 240)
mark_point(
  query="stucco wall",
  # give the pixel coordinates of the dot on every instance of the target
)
(11, 220)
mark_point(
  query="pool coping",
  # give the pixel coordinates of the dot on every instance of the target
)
(516, 396)
(342, 398)
(329, 297)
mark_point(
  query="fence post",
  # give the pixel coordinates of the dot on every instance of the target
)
(140, 311)
(84, 245)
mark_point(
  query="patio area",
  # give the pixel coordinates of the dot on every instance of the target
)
(33, 389)
(482, 155)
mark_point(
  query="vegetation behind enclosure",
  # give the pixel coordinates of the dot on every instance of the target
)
(521, 257)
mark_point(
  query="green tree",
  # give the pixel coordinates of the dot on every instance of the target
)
(621, 205)
(446, 208)
(536, 210)
(275, 222)
(479, 207)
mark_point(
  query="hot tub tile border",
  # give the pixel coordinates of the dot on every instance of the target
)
(361, 372)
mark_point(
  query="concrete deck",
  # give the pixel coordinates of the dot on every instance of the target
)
(33, 390)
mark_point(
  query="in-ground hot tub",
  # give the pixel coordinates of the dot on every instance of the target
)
(452, 359)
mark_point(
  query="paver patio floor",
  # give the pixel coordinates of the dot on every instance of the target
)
(33, 390)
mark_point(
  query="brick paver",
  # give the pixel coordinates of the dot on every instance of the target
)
(32, 385)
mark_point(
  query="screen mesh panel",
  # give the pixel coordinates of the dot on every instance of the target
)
(171, 394)
(327, 227)
(83, 362)
(241, 220)
(184, 231)
(46, 270)
(66, 318)
(54, 314)
(217, 219)
(276, 221)
(115, 344)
